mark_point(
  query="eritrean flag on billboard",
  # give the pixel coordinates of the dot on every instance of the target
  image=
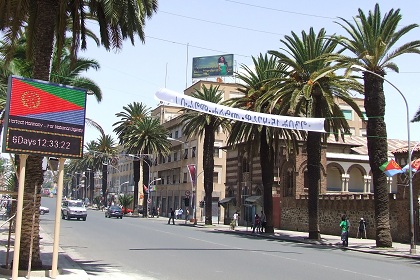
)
(46, 101)
(390, 168)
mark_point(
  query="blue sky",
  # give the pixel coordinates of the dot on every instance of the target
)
(184, 29)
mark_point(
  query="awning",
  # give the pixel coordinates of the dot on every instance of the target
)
(227, 200)
(253, 199)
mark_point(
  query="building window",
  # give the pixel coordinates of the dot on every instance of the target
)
(289, 182)
(175, 156)
(176, 134)
(215, 177)
(174, 179)
(167, 180)
(185, 177)
(170, 135)
(193, 152)
(216, 152)
(245, 165)
(186, 153)
(169, 158)
(348, 114)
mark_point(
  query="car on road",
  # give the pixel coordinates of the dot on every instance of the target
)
(114, 211)
(43, 210)
(126, 211)
(73, 209)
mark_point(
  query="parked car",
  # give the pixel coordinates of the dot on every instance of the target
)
(43, 210)
(114, 211)
(126, 211)
(73, 209)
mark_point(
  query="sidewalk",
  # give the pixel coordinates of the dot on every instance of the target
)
(69, 269)
(355, 244)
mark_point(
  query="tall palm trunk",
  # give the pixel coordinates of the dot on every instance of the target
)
(313, 147)
(267, 173)
(377, 150)
(43, 47)
(208, 166)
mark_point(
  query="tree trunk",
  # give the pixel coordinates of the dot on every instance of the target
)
(267, 172)
(208, 166)
(313, 147)
(377, 150)
(44, 25)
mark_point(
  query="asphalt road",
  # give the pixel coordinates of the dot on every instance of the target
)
(139, 248)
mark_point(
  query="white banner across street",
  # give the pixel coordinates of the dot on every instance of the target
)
(286, 122)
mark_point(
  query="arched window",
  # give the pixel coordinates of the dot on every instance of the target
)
(289, 182)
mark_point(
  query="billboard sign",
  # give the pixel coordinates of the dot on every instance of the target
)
(212, 66)
(44, 118)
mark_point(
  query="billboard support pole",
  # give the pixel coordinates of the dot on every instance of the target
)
(18, 228)
(186, 68)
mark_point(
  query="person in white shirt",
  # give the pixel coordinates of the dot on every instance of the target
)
(180, 212)
(235, 218)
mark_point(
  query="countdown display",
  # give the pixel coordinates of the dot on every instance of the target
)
(44, 118)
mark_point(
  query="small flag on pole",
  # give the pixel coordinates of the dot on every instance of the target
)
(415, 166)
(390, 168)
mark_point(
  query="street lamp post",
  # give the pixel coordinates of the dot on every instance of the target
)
(150, 194)
(88, 186)
(193, 184)
(67, 189)
(140, 157)
(410, 179)
(119, 187)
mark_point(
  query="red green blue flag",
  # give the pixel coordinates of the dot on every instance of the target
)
(415, 166)
(390, 168)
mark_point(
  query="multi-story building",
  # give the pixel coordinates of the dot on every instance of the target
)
(175, 182)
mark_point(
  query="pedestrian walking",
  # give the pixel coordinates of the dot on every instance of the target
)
(235, 218)
(263, 220)
(345, 226)
(176, 213)
(362, 229)
(180, 212)
(172, 217)
(256, 224)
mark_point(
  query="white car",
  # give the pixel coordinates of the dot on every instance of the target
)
(43, 210)
(73, 209)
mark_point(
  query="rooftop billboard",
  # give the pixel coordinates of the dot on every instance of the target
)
(212, 66)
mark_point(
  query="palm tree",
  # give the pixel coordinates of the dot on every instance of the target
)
(199, 124)
(265, 138)
(372, 41)
(46, 21)
(311, 87)
(142, 135)
(125, 201)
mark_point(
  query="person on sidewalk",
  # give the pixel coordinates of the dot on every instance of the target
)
(256, 224)
(362, 229)
(263, 221)
(344, 225)
(235, 218)
(180, 212)
(172, 217)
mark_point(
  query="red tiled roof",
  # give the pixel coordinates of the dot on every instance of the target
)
(360, 144)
